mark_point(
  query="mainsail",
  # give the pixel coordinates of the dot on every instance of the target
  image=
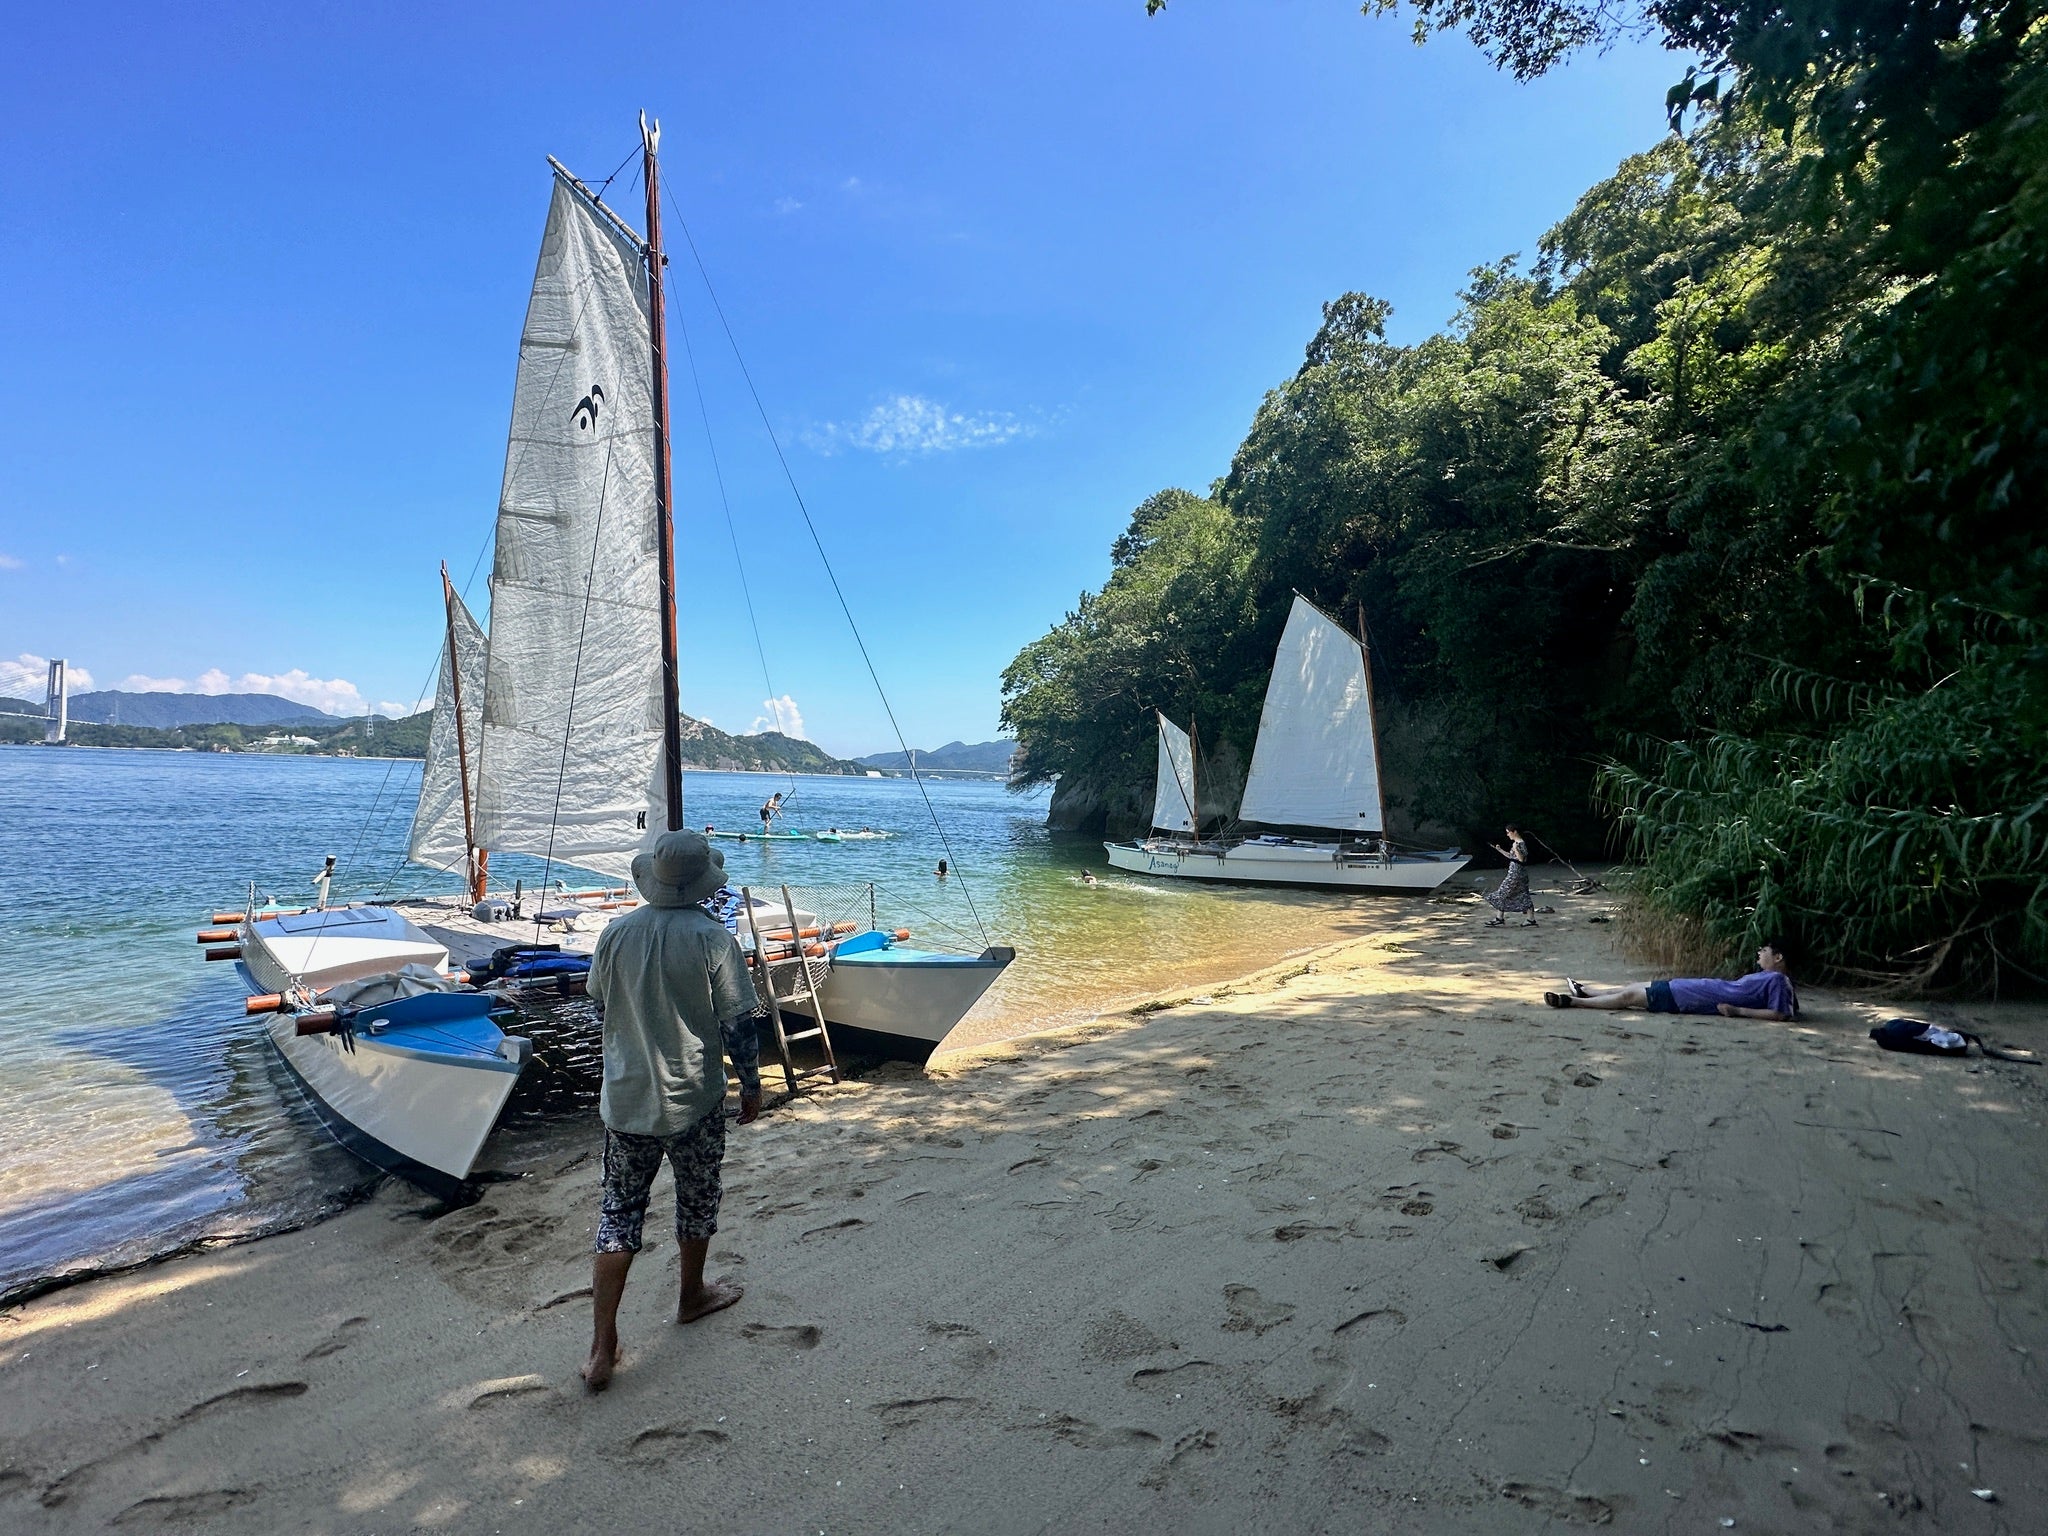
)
(1173, 799)
(439, 834)
(571, 738)
(1316, 763)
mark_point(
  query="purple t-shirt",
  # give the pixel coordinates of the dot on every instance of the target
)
(1759, 989)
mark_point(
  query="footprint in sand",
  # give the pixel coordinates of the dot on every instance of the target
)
(907, 1411)
(1251, 1312)
(162, 1509)
(1574, 1508)
(1090, 1436)
(662, 1441)
(338, 1340)
(1196, 1443)
(792, 1335)
(966, 1348)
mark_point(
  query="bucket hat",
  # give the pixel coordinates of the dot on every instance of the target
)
(681, 869)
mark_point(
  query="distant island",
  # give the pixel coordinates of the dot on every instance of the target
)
(257, 722)
(167, 711)
(989, 759)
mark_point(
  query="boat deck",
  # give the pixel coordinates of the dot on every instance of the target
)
(471, 941)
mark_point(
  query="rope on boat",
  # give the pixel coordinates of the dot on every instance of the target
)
(831, 575)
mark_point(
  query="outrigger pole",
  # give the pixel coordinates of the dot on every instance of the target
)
(479, 858)
(664, 519)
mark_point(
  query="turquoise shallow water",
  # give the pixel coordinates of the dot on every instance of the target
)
(140, 1108)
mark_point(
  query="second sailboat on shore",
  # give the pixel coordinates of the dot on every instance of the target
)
(1316, 765)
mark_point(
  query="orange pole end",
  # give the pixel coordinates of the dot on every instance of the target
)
(268, 1002)
(226, 917)
(902, 933)
(217, 935)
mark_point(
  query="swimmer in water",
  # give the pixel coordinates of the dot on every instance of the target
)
(1088, 877)
(942, 869)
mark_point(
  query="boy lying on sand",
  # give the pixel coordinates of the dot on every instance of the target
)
(1765, 993)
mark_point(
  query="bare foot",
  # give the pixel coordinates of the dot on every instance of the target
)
(713, 1296)
(597, 1370)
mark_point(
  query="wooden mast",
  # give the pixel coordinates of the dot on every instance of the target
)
(479, 858)
(664, 520)
(1372, 710)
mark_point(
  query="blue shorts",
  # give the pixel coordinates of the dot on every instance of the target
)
(1660, 998)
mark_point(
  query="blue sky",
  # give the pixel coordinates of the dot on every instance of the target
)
(999, 273)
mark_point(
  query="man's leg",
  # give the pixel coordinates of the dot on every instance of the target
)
(697, 1158)
(1637, 996)
(607, 1285)
(629, 1166)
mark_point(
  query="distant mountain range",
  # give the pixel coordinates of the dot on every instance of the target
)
(167, 711)
(953, 757)
(209, 721)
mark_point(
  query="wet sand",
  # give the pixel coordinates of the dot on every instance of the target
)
(1374, 1241)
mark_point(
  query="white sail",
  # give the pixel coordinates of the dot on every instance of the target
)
(1173, 800)
(1316, 763)
(439, 837)
(571, 748)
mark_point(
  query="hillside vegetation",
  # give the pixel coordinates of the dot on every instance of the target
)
(704, 746)
(1710, 535)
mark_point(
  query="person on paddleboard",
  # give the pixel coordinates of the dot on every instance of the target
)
(770, 809)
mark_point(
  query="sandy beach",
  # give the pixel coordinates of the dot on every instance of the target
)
(1372, 1242)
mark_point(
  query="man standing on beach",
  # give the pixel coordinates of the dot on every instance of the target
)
(676, 996)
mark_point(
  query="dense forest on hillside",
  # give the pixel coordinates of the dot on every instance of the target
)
(1712, 534)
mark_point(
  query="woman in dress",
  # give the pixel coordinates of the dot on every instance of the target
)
(1512, 894)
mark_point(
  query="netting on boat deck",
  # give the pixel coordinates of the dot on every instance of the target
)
(819, 910)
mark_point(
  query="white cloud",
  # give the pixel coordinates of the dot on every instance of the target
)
(392, 709)
(783, 716)
(787, 205)
(28, 675)
(9, 563)
(914, 424)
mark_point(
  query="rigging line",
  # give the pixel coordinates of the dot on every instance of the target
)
(718, 474)
(599, 194)
(604, 485)
(433, 676)
(830, 574)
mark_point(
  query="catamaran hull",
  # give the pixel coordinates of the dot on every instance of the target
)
(411, 1112)
(1317, 865)
(915, 996)
(324, 948)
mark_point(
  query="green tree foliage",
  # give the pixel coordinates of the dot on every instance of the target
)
(1639, 504)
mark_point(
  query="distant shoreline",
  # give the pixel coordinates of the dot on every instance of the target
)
(947, 774)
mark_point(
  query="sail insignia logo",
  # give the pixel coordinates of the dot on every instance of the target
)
(585, 414)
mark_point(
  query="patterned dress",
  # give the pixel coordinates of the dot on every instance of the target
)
(1512, 894)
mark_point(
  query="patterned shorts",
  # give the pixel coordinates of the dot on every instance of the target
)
(630, 1163)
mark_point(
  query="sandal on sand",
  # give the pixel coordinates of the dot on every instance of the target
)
(1558, 999)
(1496, 922)
(1528, 923)
(1576, 988)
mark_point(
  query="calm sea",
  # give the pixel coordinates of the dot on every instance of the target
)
(140, 1110)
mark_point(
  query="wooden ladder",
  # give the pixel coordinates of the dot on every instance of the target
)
(769, 974)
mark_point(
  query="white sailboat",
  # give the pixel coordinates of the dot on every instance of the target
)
(557, 735)
(1315, 764)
